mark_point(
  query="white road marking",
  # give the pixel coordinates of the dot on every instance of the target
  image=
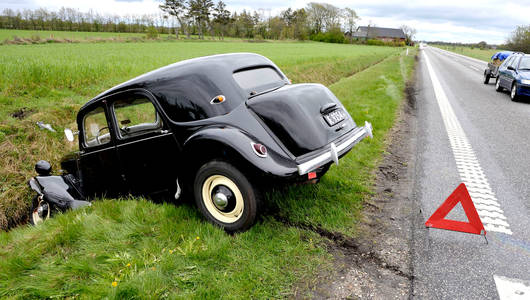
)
(474, 68)
(512, 289)
(467, 163)
(459, 55)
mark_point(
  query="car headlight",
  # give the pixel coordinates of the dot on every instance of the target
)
(525, 81)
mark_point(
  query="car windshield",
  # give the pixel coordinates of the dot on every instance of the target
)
(258, 80)
(525, 63)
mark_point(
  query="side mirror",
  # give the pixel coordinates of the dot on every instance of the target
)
(70, 134)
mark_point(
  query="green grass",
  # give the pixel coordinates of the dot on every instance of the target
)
(54, 80)
(73, 35)
(171, 250)
(482, 54)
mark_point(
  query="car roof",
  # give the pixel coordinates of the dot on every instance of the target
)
(220, 65)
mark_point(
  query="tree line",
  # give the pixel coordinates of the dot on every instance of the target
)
(197, 18)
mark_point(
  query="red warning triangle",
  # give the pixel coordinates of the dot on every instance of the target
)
(459, 195)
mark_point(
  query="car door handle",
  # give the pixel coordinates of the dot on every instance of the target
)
(163, 131)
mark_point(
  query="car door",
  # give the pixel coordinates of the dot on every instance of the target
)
(503, 71)
(100, 169)
(511, 73)
(146, 147)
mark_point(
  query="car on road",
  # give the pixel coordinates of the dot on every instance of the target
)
(514, 75)
(493, 66)
(222, 128)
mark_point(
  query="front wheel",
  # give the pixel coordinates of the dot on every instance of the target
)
(498, 86)
(225, 196)
(513, 93)
(40, 211)
(487, 77)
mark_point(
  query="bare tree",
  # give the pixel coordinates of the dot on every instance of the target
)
(409, 34)
(317, 15)
(350, 20)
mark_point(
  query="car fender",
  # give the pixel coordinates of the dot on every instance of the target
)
(240, 143)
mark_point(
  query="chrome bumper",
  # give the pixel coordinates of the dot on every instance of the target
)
(335, 150)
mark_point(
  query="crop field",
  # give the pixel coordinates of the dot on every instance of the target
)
(482, 54)
(72, 35)
(131, 247)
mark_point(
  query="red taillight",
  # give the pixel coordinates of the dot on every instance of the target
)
(259, 149)
(311, 175)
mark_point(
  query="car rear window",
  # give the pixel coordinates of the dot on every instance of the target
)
(258, 79)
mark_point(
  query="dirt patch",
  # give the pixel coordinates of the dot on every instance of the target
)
(22, 113)
(377, 264)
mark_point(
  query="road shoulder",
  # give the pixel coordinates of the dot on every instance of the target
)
(377, 264)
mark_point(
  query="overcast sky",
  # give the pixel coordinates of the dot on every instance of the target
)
(449, 20)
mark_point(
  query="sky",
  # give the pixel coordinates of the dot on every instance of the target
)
(466, 21)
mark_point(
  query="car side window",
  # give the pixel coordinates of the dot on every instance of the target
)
(525, 63)
(507, 61)
(512, 62)
(95, 128)
(136, 115)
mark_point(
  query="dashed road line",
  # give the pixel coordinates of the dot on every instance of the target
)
(512, 289)
(468, 166)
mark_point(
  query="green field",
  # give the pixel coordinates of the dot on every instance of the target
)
(73, 35)
(167, 250)
(482, 54)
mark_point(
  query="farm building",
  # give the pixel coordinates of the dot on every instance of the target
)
(379, 33)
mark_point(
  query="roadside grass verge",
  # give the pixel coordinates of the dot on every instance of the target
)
(482, 54)
(334, 204)
(130, 248)
(50, 83)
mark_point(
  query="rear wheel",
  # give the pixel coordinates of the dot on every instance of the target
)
(513, 93)
(498, 86)
(487, 77)
(225, 196)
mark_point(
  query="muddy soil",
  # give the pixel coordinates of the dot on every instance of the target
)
(377, 264)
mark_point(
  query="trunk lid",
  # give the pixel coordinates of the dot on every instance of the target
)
(305, 117)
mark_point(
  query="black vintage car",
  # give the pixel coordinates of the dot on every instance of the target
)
(219, 127)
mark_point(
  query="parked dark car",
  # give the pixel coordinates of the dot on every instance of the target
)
(492, 70)
(220, 127)
(514, 75)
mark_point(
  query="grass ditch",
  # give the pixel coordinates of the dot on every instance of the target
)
(50, 83)
(135, 248)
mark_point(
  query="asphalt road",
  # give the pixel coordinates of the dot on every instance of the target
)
(468, 132)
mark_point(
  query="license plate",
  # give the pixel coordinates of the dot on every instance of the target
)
(334, 117)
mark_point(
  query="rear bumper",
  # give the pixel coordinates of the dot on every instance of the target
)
(335, 151)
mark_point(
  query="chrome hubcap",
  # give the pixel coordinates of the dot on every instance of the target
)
(513, 91)
(220, 200)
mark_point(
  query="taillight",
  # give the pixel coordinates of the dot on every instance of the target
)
(259, 149)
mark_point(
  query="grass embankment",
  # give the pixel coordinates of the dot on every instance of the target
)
(134, 247)
(50, 82)
(482, 54)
